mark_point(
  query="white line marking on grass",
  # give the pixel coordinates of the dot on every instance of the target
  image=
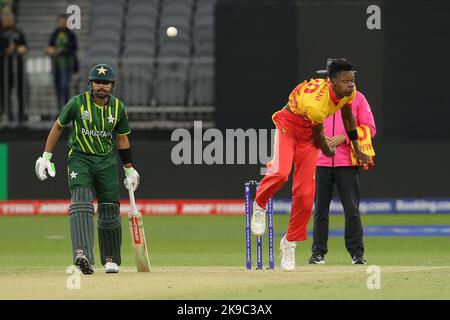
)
(420, 269)
(54, 237)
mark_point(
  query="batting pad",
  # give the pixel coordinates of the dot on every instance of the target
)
(109, 232)
(82, 223)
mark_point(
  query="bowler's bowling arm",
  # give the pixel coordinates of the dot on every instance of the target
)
(321, 141)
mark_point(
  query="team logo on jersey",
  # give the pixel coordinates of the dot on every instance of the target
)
(110, 119)
(86, 115)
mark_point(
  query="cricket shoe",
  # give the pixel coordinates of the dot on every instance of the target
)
(258, 220)
(316, 259)
(287, 249)
(110, 266)
(358, 260)
(82, 262)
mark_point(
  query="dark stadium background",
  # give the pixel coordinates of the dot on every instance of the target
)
(262, 50)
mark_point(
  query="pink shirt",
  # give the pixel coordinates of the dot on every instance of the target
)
(334, 126)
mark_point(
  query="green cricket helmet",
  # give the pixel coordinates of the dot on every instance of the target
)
(102, 72)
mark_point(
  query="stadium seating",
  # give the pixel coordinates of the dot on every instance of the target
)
(156, 69)
(135, 83)
(201, 83)
(171, 84)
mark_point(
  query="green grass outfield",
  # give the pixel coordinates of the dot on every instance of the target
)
(203, 257)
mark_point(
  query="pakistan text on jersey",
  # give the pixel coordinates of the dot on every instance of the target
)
(95, 133)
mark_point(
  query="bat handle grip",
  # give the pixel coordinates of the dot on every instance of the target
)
(132, 200)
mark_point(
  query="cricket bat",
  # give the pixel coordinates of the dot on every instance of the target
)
(139, 245)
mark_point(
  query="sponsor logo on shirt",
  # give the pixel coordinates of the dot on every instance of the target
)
(95, 133)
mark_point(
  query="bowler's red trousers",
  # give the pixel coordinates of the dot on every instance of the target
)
(294, 144)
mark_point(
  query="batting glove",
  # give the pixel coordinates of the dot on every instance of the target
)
(132, 178)
(43, 163)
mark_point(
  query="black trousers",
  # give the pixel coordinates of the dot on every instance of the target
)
(347, 182)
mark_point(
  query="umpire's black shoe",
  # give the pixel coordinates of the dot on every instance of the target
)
(316, 259)
(358, 260)
(84, 264)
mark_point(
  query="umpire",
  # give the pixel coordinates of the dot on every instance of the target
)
(99, 121)
(339, 171)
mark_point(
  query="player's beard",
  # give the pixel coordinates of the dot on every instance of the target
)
(102, 94)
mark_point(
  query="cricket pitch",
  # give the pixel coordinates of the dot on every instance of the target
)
(165, 283)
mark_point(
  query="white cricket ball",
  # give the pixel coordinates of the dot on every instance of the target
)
(172, 31)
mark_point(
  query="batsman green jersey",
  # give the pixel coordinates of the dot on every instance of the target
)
(94, 125)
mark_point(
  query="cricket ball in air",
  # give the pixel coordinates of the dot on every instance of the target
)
(172, 31)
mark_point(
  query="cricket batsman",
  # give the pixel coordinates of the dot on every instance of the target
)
(99, 121)
(299, 135)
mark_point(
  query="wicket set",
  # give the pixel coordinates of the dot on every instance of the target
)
(248, 232)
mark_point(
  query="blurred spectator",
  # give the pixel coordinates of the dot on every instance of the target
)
(14, 47)
(63, 47)
(6, 6)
